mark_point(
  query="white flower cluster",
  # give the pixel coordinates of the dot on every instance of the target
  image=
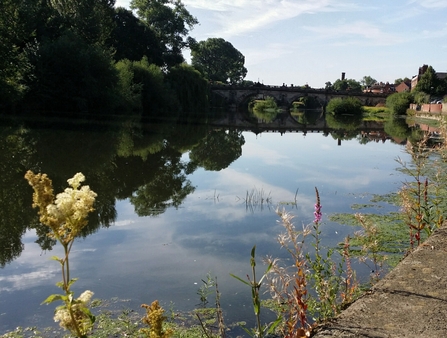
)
(62, 315)
(73, 205)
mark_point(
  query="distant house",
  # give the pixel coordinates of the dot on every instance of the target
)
(404, 86)
(380, 88)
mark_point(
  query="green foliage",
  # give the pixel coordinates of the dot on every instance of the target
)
(344, 114)
(420, 97)
(71, 75)
(133, 40)
(430, 84)
(171, 22)
(16, 35)
(398, 103)
(367, 81)
(218, 60)
(142, 86)
(218, 149)
(90, 20)
(261, 330)
(339, 106)
(266, 109)
(371, 112)
(189, 87)
(400, 80)
(346, 84)
(397, 127)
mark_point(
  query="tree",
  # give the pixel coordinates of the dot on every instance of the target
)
(190, 88)
(429, 83)
(171, 22)
(142, 86)
(400, 80)
(349, 105)
(132, 39)
(71, 75)
(16, 34)
(347, 84)
(399, 102)
(218, 60)
(92, 20)
(367, 81)
(218, 149)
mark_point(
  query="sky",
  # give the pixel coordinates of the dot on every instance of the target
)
(313, 41)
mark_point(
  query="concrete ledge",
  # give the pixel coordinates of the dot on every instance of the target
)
(411, 301)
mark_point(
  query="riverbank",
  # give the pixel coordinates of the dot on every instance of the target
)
(411, 301)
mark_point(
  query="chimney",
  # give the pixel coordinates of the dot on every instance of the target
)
(342, 76)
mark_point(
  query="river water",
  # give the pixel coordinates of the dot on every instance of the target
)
(174, 204)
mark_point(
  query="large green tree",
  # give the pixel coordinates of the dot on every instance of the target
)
(71, 75)
(430, 84)
(347, 84)
(171, 22)
(92, 20)
(17, 31)
(219, 60)
(133, 40)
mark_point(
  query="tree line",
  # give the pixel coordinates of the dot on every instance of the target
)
(71, 56)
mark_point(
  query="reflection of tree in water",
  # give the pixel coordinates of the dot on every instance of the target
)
(167, 187)
(16, 154)
(307, 116)
(397, 127)
(267, 114)
(119, 161)
(344, 121)
(218, 149)
(344, 135)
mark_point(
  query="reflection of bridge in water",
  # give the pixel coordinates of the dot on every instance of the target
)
(286, 123)
(237, 95)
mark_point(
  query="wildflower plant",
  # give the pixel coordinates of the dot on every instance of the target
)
(66, 216)
(325, 274)
(155, 319)
(369, 240)
(423, 198)
(333, 283)
(288, 286)
(255, 285)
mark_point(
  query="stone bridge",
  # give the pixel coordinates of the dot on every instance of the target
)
(285, 96)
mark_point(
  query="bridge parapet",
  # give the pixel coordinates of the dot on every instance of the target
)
(237, 94)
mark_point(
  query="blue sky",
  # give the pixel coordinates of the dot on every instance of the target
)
(314, 41)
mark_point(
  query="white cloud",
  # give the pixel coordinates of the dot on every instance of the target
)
(364, 31)
(431, 3)
(27, 280)
(234, 18)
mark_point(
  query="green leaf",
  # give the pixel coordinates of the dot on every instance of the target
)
(249, 332)
(253, 250)
(240, 279)
(252, 260)
(53, 298)
(274, 325)
(87, 311)
(72, 281)
(256, 307)
(55, 258)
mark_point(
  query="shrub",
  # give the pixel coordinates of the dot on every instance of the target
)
(339, 106)
(398, 103)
